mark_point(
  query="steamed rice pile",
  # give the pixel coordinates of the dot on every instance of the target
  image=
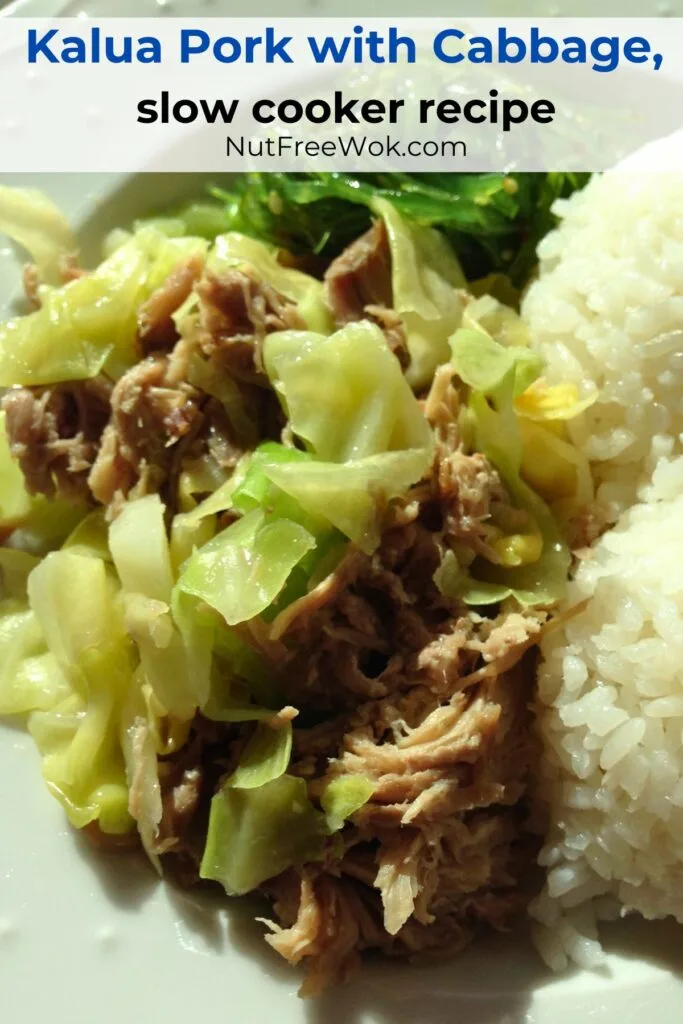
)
(611, 689)
(607, 312)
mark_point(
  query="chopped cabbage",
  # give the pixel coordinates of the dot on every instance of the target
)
(90, 537)
(255, 490)
(243, 677)
(344, 796)
(83, 617)
(265, 757)
(78, 326)
(345, 394)
(139, 547)
(255, 834)
(497, 375)
(427, 283)
(352, 495)
(544, 581)
(203, 219)
(198, 476)
(32, 220)
(90, 323)
(174, 641)
(494, 369)
(456, 584)
(244, 568)
(557, 470)
(47, 524)
(15, 567)
(543, 402)
(236, 250)
(73, 598)
(493, 318)
(30, 677)
(219, 501)
(232, 711)
(268, 513)
(187, 535)
(15, 502)
(82, 764)
(28, 681)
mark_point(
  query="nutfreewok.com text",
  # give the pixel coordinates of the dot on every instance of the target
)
(287, 146)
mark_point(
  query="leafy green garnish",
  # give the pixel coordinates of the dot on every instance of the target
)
(493, 221)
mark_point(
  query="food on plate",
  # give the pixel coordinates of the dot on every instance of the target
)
(605, 314)
(291, 495)
(610, 693)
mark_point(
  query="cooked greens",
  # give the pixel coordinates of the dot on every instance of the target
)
(269, 504)
(345, 395)
(90, 323)
(73, 597)
(493, 221)
(254, 834)
(32, 220)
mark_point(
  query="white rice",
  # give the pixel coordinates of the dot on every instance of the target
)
(610, 695)
(607, 313)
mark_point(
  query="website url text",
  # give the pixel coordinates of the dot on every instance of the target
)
(341, 146)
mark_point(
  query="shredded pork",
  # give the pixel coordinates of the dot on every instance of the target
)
(148, 418)
(55, 432)
(115, 443)
(156, 328)
(384, 677)
(358, 286)
(237, 312)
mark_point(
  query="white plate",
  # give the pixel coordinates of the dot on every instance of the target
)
(359, 8)
(93, 939)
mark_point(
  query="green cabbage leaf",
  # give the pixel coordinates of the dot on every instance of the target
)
(255, 834)
(352, 496)
(31, 219)
(174, 639)
(245, 567)
(90, 324)
(496, 375)
(344, 796)
(345, 394)
(427, 286)
(73, 597)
